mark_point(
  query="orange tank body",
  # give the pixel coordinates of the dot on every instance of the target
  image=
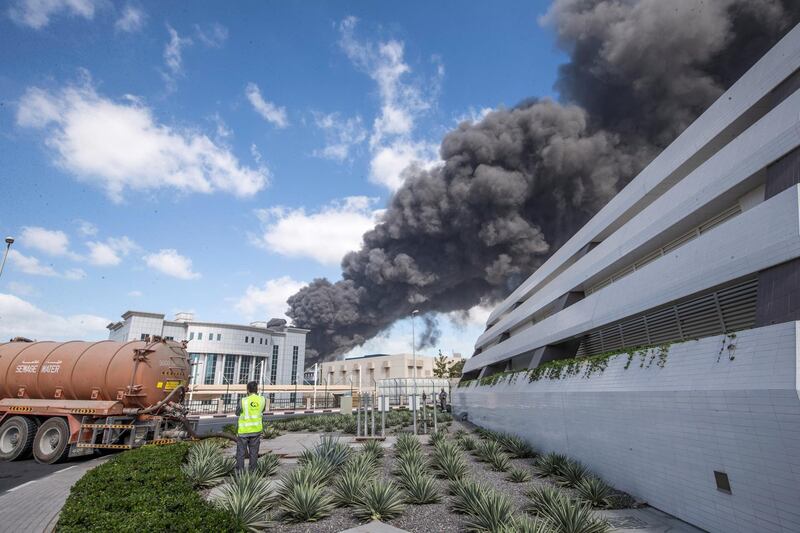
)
(138, 374)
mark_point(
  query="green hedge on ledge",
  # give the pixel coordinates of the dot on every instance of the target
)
(141, 490)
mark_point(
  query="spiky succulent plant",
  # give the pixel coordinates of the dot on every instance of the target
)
(571, 473)
(380, 500)
(305, 502)
(549, 464)
(267, 465)
(492, 512)
(420, 489)
(566, 516)
(594, 491)
(518, 475)
(247, 497)
(207, 470)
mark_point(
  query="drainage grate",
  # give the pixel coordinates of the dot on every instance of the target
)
(723, 483)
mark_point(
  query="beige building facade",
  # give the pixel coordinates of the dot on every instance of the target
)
(364, 372)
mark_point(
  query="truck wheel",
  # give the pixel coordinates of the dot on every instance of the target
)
(51, 444)
(16, 438)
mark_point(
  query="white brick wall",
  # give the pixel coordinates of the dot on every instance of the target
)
(659, 433)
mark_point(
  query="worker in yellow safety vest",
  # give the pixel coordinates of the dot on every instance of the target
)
(251, 412)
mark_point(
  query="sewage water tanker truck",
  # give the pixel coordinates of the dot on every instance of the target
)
(65, 399)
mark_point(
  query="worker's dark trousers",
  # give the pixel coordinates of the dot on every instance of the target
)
(250, 444)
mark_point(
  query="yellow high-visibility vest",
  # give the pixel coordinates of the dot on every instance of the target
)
(251, 420)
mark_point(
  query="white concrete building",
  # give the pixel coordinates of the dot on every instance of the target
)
(367, 370)
(269, 353)
(687, 287)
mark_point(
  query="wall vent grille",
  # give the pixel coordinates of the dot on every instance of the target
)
(728, 309)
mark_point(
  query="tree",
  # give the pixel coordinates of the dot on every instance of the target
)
(440, 369)
(456, 369)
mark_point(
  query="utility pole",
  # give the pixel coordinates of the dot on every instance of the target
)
(414, 313)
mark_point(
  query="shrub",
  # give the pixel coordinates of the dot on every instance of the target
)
(543, 496)
(467, 443)
(492, 512)
(594, 491)
(518, 475)
(231, 429)
(247, 497)
(361, 462)
(485, 449)
(407, 470)
(349, 486)
(571, 473)
(516, 446)
(373, 448)
(566, 516)
(379, 501)
(349, 426)
(205, 448)
(267, 465)
(204, 470)
(468, 495)
(407, 443)
(311, 474)
(305, 502)
(460, 434)
(451, 466)
(143, 489)
(549, 464)
(270, 432)
(420, 489)
(522, 523)
(437, 437)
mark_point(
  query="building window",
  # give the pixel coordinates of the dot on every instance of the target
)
(191, 336)
(274, 370)
(246, 338)
(195, 367)
(261, 340)
(244, 369)
(219, 336)
(143, 337)
(230, 365)
(292, 399)
(252, 340)
(257, 372)
(271, 397)
(295, 354)
(211, 368)
(199, 335)
(169, 338)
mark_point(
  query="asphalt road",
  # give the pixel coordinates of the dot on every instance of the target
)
(15, 473)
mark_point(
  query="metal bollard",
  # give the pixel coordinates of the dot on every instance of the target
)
(358, 417)
(372, 401)
(383, 416)
(435, 422)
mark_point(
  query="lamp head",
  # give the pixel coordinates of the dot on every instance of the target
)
(9, 240)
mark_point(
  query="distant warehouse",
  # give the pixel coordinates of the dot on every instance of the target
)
(271, 353)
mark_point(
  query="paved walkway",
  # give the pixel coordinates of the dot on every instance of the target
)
(34, 506)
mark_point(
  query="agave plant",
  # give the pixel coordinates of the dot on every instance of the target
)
(267, 465)
(460, 434)
(407, 470)
(332, 449)
(207, 470)
(349, 486)
(518, 475)
(468, 495)
(379, 501)
(306, 502)
(205, 448)
(594, 491)
(467, 443)
(499, 461)
(362, 462)
(270, 432)
(542, 497)
(485, 449)
(452, 466)
(407, 443)
(373, 448)
(522, 523)
(516, 446)
(247, 497)
(420, 489)
(492, 512)
(437, 437)
(549, 464)
(566, 516)
(311, 474)
(571, 473)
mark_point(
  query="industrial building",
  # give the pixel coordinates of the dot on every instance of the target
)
(270, 353)
(659, 345)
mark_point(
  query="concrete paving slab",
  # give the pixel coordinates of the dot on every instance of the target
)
(646, 520)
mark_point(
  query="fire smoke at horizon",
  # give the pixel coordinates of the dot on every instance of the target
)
(515, 186)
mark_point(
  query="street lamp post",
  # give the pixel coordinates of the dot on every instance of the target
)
(9, 242)
(414, 313)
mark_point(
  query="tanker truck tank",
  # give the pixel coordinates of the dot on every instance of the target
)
(60, 399)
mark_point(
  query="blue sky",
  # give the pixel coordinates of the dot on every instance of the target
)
(169, 157)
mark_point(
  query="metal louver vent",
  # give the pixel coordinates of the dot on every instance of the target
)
(722, 311)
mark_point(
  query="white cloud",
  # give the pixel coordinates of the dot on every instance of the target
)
(214, 36)
(31, 265)
(135, 294)
(36, 13)
(475, 316)
(22, 289)
(87, 229)
(121, 146)
(268, 300)
(51, 242)
(109, 253)
(341, 135)
(473, 115)
(173, 51)
(19, 318)
(171, 263)
(131, 20)
(325, 236)
(402, 102)
(269, 111)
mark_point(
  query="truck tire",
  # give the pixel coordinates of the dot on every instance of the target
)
(51, 444)
(16, 438)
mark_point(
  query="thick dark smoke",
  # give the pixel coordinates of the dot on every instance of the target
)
(515, 186)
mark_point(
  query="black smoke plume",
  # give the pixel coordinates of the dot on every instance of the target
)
(516, 185)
